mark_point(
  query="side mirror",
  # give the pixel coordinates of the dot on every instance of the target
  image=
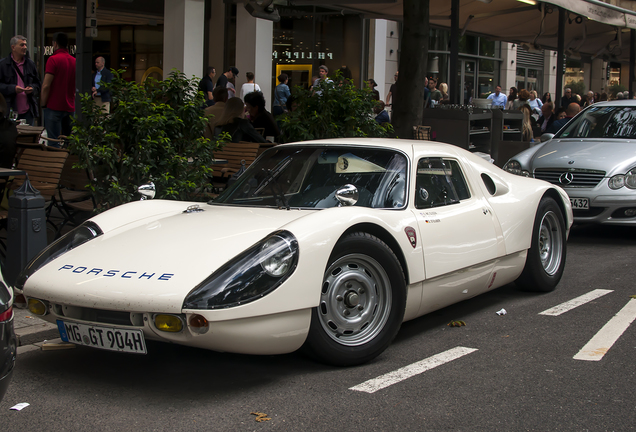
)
(347, 195)
(546, 137)
(147, 191)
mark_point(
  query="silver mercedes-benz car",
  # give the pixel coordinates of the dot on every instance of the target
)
(593, 157)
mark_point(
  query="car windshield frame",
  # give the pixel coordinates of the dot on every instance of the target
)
(308, 177)
(596, 121)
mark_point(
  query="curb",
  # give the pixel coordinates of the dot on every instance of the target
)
(30, 329)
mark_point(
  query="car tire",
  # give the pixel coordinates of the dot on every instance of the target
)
(362, 302)
(546, 256)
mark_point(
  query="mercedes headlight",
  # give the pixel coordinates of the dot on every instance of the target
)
(628, 180)
(514, 167)
(249, 276)
(78, 236)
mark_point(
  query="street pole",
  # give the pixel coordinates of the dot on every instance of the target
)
(83, 56)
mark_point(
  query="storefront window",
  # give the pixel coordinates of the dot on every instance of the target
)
(469, 44)
(488, 77)
(307, 37)
(574, 75)
(488, 48)
(614, 73)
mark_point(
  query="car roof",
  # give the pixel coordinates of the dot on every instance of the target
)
(405, 145)
(618, 102)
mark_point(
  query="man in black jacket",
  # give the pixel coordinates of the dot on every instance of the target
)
(19, 81)
(100, 77)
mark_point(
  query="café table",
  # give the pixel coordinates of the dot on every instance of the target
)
(29, 134)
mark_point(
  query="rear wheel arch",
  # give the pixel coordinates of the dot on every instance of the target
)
(387, 238)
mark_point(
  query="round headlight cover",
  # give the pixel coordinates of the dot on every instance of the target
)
(617, 182)
(249, 276)
(279, 256)
(514, 167)
(630, 179)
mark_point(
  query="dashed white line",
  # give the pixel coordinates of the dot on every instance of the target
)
(411, 370)
(600, 344)
(569, 305)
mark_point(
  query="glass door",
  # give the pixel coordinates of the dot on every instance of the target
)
(467, 76)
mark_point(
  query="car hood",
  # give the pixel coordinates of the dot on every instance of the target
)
(153, 263)
(597, 154)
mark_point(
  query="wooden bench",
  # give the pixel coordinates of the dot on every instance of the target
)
(236, 155)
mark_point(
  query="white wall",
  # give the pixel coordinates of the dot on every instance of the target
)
(508, 70)
(254, 46)
(379, 65)
(549, 73)
(391, 54)
(183, 36)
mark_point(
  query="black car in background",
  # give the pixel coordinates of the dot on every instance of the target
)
(8, 343)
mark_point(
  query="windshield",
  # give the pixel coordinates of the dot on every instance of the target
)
(602, 122)
(308, 177)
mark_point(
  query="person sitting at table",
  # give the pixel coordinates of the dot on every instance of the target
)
(233, 122)
(259, 116)
(8, 136)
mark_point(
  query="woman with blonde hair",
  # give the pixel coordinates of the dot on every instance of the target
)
(527, 133)
(233, 122)
(443, 88)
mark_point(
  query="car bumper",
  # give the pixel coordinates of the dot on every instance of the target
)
(278, 333)
(605, 209)
(8, 349)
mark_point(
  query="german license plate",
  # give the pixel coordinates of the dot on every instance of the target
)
(580, 203)
(109, 338)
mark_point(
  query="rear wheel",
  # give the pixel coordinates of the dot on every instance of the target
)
(362, 302)
(546, 256)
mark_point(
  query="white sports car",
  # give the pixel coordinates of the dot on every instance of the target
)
(326, 245)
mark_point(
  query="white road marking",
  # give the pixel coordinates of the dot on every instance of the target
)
(602, 341)
(569, 305)
(411, 370)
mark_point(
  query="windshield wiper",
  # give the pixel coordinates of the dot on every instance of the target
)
(271, 179)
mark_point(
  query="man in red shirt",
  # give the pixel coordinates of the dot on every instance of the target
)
(58, 89)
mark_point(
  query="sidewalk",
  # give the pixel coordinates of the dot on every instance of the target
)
(32, 331)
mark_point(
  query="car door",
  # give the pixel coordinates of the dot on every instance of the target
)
(456, 223)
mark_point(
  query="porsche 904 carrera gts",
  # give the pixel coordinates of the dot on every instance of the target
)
(326, 246)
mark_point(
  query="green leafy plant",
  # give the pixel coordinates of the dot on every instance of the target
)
(333, 109)
(614, 89)
(154, 133)
(578, 87)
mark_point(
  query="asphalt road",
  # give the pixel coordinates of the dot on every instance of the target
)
(519, 372)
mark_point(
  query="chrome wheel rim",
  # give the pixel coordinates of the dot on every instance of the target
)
(355, 301)
(550, 243)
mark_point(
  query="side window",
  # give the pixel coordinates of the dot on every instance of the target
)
(439, 182)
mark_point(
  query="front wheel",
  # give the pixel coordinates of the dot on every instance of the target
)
(546, 256)
(362, 302)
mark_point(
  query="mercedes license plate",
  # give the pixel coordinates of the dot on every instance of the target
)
(109, 338)
(580, 203)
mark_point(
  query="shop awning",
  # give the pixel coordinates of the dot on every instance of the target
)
(593, 28)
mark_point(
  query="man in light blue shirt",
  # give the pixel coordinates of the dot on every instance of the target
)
(498, 98)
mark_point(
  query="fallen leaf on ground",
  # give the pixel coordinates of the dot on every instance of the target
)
(456, 323)
(260, 417)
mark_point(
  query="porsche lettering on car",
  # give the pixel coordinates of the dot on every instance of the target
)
(326, 246)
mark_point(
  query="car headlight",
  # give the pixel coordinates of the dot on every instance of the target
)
(78, 236)
(514, 167)
(628, 180)
(249, 276)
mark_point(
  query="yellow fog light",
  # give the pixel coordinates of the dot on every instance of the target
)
(37, 307)
(168, 323)
(198, 324)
